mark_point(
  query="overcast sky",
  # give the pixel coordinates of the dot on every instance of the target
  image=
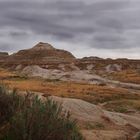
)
(104, 28)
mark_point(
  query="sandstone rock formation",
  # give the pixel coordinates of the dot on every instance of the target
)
(75, 75)
(41, 54)
(113, 126)
(113, 68)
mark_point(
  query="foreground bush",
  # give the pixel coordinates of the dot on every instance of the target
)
(9, 101)
(33, 119)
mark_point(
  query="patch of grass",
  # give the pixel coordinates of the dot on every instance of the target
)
(121, 109)
(52, 80)
(9, 101)
(129, 76)
(95, 125)
(123, 106)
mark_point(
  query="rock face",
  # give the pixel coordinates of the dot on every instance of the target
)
(108, 65)
(74, 75)
(113, 126)
(112, 68)
(40, 54)
(43, 51)
(43, 46)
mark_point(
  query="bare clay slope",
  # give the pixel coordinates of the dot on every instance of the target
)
(40, 54)
(103, 125)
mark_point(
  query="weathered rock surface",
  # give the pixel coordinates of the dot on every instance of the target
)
(46, 56)
(116, 126)
(113, 67)
(41, 54)
(74, 75)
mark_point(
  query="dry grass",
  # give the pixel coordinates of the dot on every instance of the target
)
(130, 76)
(90, 93)
(5, 73)
(123, 105)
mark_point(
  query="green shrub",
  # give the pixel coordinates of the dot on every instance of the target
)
(33, 119)
(121, 109)
(95, 125)
(138, 136)
(9, 101)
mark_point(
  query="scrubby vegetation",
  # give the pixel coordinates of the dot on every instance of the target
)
(138, 138)
(95, 125)
(28, 118)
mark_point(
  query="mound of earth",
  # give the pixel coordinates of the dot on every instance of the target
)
(40, 54)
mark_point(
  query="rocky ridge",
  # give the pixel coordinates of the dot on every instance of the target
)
(41, 54)
(46, 61)
(46, 56)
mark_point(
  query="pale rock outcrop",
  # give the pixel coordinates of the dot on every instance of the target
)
(113, 67)
(116, 125)
(75, 75)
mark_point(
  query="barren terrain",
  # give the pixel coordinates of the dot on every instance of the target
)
(102, 95)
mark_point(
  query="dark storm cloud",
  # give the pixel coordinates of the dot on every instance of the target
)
(101, 24)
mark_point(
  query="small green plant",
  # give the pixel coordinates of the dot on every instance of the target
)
(120, 109)
(95, 125)
(9, 101)
(52, 80)
(138, 136)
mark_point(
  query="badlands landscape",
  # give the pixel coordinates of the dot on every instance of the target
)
(103, 95)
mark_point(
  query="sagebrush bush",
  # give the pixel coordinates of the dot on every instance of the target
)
(9, 102)
(138, 136)
(33, 119)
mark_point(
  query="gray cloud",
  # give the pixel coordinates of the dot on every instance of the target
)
(100, 25)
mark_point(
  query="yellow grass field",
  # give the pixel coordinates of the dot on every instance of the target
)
(129, 76)
(91, 93)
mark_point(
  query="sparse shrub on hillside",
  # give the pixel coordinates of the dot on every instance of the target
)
(121, 109)
(33, 119)
(95, 125)
(137, 136)
(52, 80)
